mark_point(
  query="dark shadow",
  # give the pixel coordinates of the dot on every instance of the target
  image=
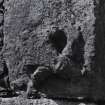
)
(5, 71)
(4, 78)
(29, 69)
(58, 40)
(5, 83)
(78, 49)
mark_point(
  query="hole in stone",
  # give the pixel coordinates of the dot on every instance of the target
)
(58, 40)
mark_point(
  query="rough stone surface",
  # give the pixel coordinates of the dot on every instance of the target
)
(22, 101)
(27, 24)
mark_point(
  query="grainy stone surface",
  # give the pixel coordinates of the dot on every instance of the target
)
(22, 101)
(27, 24)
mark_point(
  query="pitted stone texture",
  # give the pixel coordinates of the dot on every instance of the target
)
(29, 22)
(27, 26)
(22, 101)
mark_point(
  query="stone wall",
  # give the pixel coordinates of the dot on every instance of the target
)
(22, 101)
(27, 25)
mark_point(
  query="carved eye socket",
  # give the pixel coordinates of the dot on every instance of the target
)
(58, 40)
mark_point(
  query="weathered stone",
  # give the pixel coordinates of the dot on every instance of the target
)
(31, 23)
(27, 25)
